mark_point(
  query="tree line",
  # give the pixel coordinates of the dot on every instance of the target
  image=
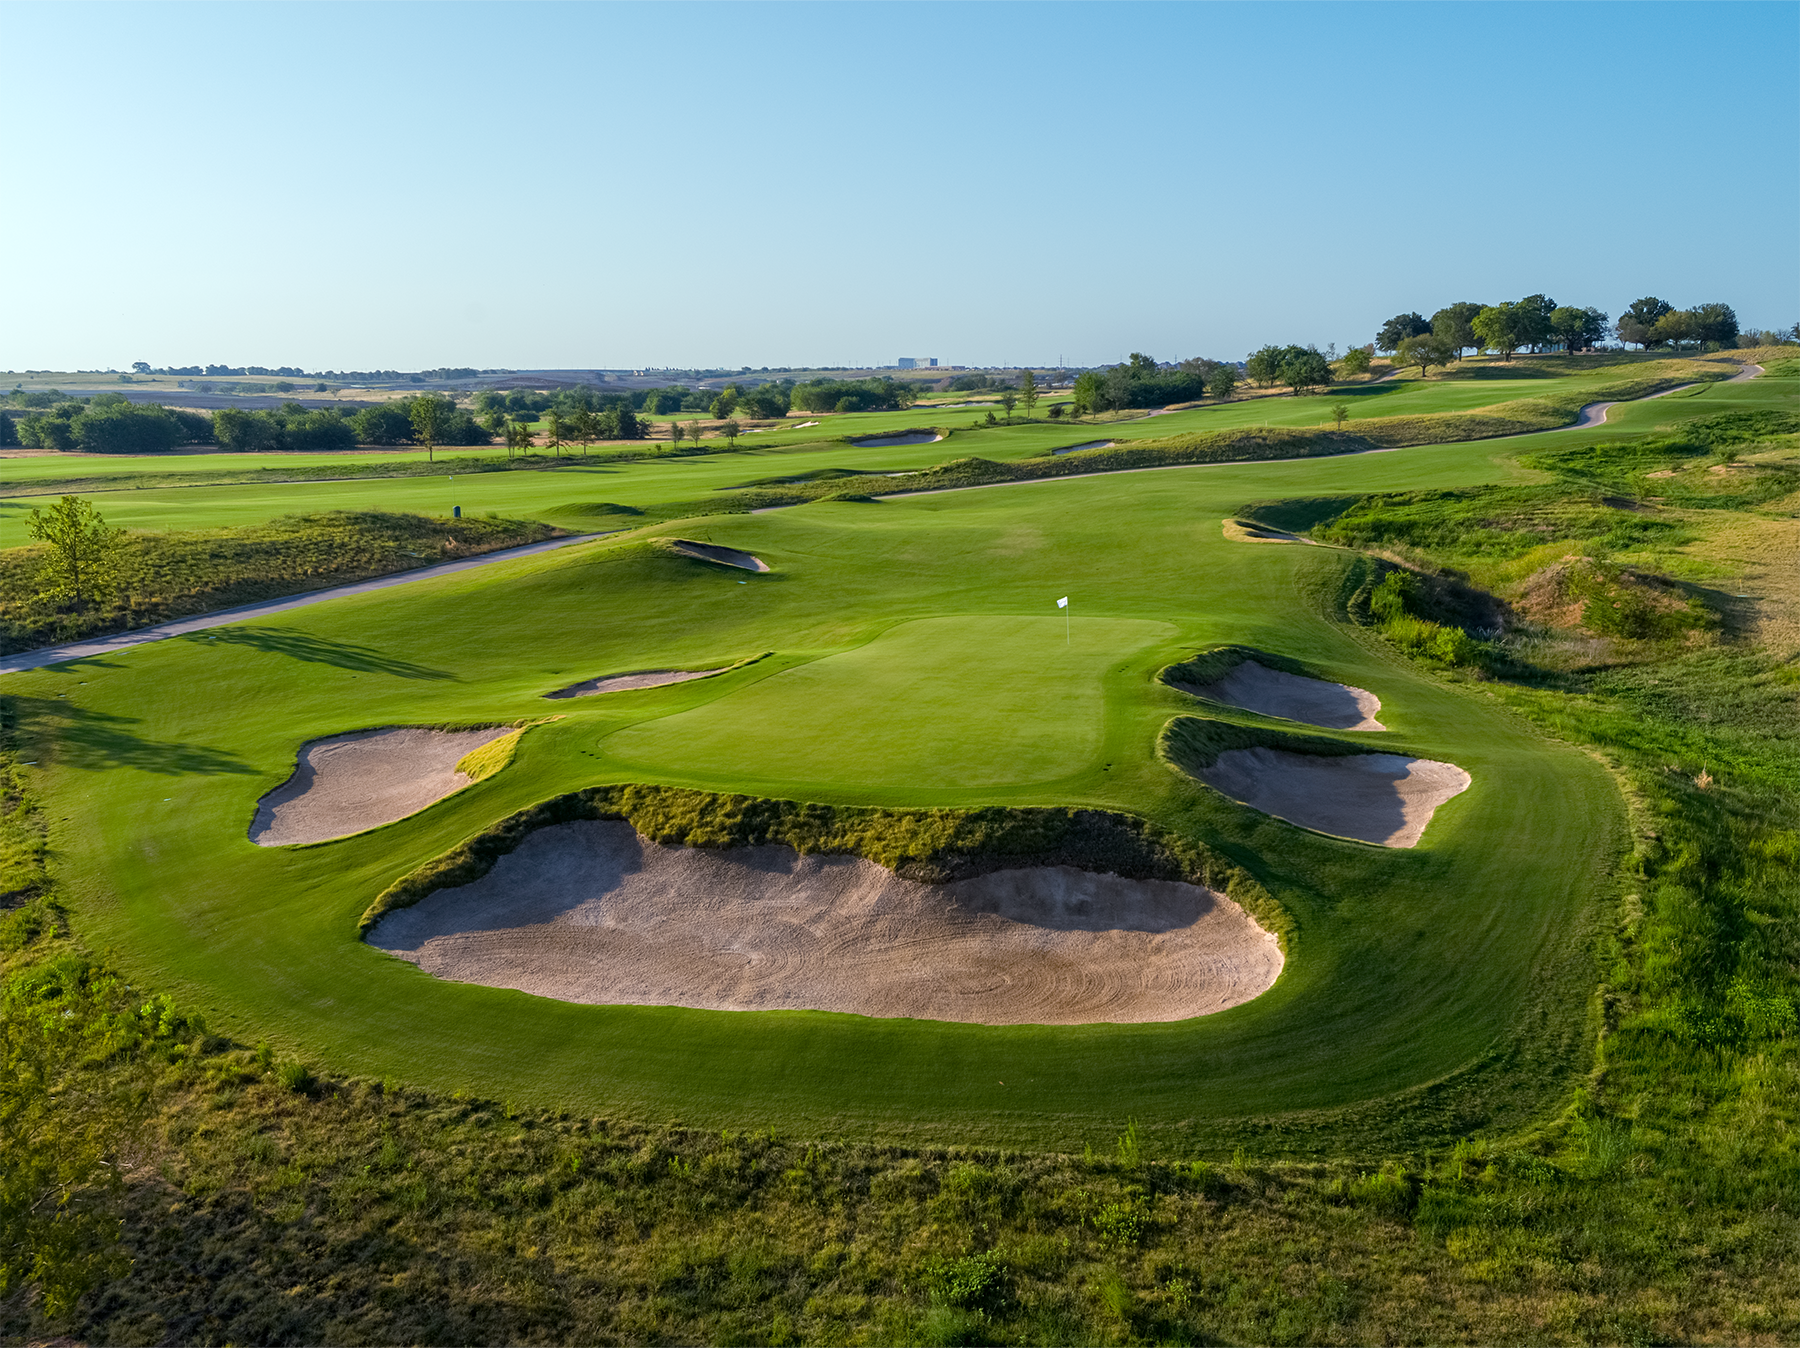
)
(107, 424)
(1539, 323)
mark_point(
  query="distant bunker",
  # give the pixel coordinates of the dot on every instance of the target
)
(904, 438)
(1386, 799)
(1293, 697)
(623, 683)
(592, 912)
(712, 552)
(349, 783)
(1085, 444)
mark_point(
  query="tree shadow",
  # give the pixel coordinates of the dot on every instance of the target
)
(301, 645)
(97, 740)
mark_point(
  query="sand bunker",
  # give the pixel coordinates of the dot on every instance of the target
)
(622, 683)
(591, 912)
(1375, 798)
(909, 438)
(712, 552)
(1332, 706)
(349, 783)
(1086, 444)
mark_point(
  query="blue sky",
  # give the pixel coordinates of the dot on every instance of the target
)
(571, 185)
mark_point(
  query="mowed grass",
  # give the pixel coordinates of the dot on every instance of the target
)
(1429, 993)
(1036, 682)
(786, 451)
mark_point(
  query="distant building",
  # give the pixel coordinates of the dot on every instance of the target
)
(918, 363)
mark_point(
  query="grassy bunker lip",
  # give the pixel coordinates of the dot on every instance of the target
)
(933, 846)
(1275, 686)
(1329, 786)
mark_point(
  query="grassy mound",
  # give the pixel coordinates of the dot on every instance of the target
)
(176, 575)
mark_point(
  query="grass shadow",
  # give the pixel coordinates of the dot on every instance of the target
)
(98, 740)
(301, 645)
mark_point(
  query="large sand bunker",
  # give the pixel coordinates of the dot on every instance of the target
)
(591, 912)
(349, 783)
(1375, 798)
(905, 438)
(1333, 706)
(712, 552)
(621, 683)
(1085, 444)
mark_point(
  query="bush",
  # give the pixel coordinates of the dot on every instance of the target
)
(968, 1283)
(296, 1077)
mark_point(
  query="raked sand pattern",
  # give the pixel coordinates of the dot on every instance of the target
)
(591, 912)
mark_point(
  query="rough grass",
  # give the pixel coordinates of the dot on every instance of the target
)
(489, 758)
(1210, 665)
(934, 846)
(1193, 744)
(176, 575)
(266, 1203)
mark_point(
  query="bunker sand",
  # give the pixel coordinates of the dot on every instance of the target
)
(349, 783)
(712, 552)
(621, 683)
(1386, 799)
(591, 912)
(1332, 706)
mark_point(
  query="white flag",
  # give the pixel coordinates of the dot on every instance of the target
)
(1063, 602)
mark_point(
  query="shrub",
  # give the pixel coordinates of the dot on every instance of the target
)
(968, 1283)
(296, 1077)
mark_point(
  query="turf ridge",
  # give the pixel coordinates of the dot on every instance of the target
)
(931, 846)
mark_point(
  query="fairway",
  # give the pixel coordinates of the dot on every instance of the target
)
(918, 660)
(905, 703)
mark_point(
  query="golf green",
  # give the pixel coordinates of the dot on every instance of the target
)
(917, 659)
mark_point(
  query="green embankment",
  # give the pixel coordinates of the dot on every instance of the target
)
(166, 576)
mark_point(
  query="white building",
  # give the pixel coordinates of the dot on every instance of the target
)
(918, 363)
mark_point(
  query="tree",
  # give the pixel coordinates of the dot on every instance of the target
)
(242, 432)
(730, 431)
(1089, 393)
(1398, 328)
(1028, 392)
(1717, 323)
(725, 404)
(82, 563)
(1304, 367)
(1500, 328)
(553, 423)
(1637, 325)
(1264, 365)
(1454, 321)
(1009, 399)
(1534, 319)
(1356, 362)
(427, 417)
(518, 437)
(1221, 382)
(1677, 326)
(585, 427)
(1579, 329)
(1425, 350)
(676, 433)
(1340, 413)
